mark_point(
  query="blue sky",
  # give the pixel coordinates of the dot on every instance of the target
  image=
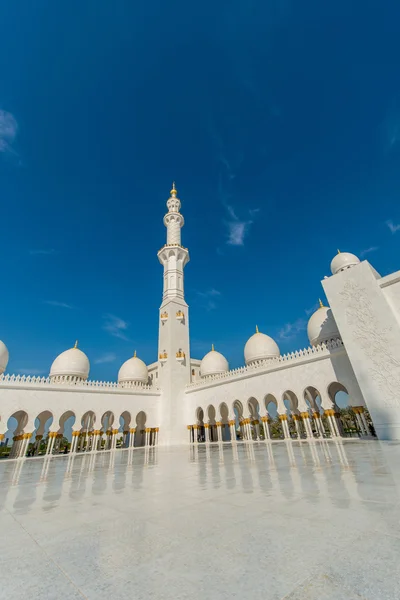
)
(279, 121)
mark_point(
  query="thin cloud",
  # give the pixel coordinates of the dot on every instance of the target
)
(43, 252)
(29, 371)
(209, 298)
(115, 326)
(369, 250)
(108, 357)
(8, 131)
(311, 310)
(393, 228)
(58, 304)
(291, 330)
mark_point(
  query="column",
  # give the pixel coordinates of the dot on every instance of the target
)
(115, 432)
(207, 432)
(232, 428)
(297, 425)
(157, 429)
(364, 420)
(319, 424)
(267, 431)
(285, 428)
(189, 428)
(24, 445)
(219, 431)
(329, 413)
(74, 442)
(195, 434)
(257, 428)
(132, 432)
(306, 420)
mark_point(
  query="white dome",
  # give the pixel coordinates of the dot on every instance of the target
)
(213, 363)
(260, 347)
(322, 326)
(4, 356)
(133, 370)
(342, 261)
(72, 362)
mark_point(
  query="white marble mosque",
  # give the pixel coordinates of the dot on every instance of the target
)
(177, 400)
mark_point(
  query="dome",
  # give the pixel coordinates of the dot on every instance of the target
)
(322, 326)
(3, 357)
(342, 261)
(133, 370)
(213, 363)
(260, 347)
(72, 362)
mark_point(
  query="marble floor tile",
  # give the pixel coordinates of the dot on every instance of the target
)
(296, 521)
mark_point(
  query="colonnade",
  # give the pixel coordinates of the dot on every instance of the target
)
(260, 429)
(83, 441)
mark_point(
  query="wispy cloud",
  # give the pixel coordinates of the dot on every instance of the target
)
(237, 228)
(58, 304)
(108, 357)
(369, 250)
(290, 330)
(115, 326)
(209, 298)
(29, 371)
(8, 131)
(43, 252)
(311, 310)
(392, 226)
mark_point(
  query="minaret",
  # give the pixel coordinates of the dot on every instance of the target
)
(173, 339)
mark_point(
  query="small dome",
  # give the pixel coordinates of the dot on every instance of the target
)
(213, 363)
(133, 370)
(322, 326)
(72, 362)
(342, 261)
(4, 356)
(260, 347)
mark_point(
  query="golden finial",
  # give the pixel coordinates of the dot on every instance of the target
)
(212, 347)
(76, 344)
(257, 329)
(338, 251)
(320, 303)
(174, 191)
(134, 354)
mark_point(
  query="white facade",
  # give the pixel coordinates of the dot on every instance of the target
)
(355, 347)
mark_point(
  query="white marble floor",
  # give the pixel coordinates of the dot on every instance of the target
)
(283, 520)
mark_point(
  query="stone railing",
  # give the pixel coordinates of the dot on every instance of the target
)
(72, 382)
(271, 364)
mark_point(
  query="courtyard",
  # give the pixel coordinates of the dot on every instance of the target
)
(293, 520)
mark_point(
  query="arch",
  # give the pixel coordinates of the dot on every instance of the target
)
(254, 412)
(225, 429)
(348, 421)
(275, 425)
(140, 435)
(201, 436)
(290, 400)
(125, 425)
(333, 389)
(212, 425)
(16, 424)
(40, 441)
(239, 419)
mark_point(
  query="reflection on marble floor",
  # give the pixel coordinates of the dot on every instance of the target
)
(285, 520)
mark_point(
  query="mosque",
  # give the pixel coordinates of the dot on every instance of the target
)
(354, 347)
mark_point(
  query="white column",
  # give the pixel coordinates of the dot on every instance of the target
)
(364, 420)
(297, 425)
(267, 431)
(189, 428)
(219, 431)
(360, 423)
(232, 429)
(284, 425)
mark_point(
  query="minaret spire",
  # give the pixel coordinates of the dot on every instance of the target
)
(173, 256)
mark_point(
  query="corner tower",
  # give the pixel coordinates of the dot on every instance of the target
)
(173, 338)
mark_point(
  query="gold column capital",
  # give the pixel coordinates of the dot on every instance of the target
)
(282, 417)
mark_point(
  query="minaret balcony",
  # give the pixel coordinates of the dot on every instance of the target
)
(163, 357)
(180, 356)
(180, 316)
(164, 317)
